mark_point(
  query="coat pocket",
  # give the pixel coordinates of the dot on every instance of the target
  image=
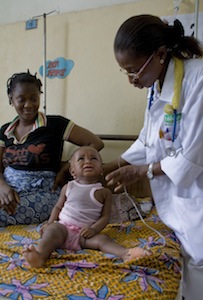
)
(190, 215)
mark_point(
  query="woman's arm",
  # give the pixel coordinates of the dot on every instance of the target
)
(83, 137)
(63, 175)
(80, 137)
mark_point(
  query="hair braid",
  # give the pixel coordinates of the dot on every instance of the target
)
(20, 78)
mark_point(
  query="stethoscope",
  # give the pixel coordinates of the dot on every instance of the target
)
(170, 151)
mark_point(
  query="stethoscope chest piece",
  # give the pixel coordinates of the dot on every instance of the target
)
(171, 151)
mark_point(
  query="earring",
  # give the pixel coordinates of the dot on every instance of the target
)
(161, 61)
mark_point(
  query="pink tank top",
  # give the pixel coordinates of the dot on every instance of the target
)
(81, 207)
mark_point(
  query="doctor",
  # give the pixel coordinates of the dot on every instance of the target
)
(169, 149)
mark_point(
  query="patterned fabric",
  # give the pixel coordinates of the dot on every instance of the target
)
(36, 196)
(123, 207)
(91, 274)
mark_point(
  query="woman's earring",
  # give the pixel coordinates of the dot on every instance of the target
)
(161, 61)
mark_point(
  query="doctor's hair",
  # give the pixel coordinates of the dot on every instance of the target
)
(22, 78)
(142, 35)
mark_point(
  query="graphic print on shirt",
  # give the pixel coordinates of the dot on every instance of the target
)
(31, 154)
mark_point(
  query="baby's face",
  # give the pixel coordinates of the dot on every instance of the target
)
(86, 165)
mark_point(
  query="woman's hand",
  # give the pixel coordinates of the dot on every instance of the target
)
(9, 198)
(125, 176)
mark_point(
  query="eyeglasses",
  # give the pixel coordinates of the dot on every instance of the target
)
(136, 75)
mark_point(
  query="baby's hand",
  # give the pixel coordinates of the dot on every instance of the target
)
(88, 232)
(43, 228)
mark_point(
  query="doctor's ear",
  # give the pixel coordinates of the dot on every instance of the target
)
(162, 54)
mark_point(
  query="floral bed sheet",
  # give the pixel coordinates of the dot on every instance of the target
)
(91, 274)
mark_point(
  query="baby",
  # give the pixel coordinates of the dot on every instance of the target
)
(82, 211)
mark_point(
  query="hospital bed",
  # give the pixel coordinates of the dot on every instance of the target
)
(91, 274)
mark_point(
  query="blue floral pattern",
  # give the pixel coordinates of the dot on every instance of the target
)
(90, 274)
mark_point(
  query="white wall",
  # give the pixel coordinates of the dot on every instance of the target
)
(95, 95)
(13, 11)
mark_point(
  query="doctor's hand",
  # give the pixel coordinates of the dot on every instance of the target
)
(125, 176)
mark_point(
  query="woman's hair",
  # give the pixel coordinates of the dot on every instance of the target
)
(143, 34)
(22, 78)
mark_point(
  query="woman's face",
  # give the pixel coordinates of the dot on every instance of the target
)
(149, 69)
(25, 98)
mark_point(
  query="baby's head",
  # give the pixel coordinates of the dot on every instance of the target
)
(86, 164)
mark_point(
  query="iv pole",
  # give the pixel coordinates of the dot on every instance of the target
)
(176, 9)
(196, 17)
(44, 58)
(44, 63)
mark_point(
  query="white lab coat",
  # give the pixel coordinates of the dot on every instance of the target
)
(178, 195)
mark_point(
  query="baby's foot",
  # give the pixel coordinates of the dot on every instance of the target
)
(33, 257)
(134, 253)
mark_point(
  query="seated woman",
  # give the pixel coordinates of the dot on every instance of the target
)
(30, 154)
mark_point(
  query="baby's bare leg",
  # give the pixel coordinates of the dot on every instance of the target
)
(53, 238)
(105, 244)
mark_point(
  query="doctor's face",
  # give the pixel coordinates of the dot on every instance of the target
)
(141, 71)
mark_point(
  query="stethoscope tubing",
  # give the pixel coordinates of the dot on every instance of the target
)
(147, 125)
(174, 125)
